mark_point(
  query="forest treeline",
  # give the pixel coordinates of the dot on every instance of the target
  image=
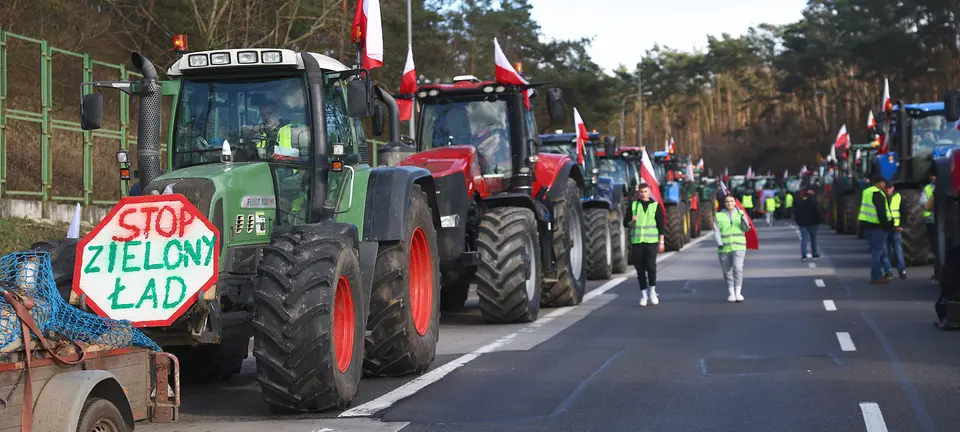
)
(771, 98)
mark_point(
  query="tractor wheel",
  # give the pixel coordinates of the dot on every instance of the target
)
(706, 220)
(403, 325)
(508, 275)
(916, 245)
(673, 238)
(63, 256)
(599, 243)
(569, 279)
(851, 213)
(309, 321)
(694, 223)
(618, 237)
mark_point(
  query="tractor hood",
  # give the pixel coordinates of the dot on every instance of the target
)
(443, 161)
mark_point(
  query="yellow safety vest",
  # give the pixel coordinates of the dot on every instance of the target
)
(747, 201)
(789, 200)
(895, 208)
(731, 233)
(868, 212)
(928, 191)
(771, 205)
(284, 138)
(645, 228)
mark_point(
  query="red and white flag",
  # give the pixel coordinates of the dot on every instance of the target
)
(689, 172)
(408, 86)
(700, 164)
(887, 107)
(753, 242)
(649, 177)
(582, 136)
(368, 30)
(506, 74)
(871, 122)
(842, 142)
(887, 102)
(672, 148)
(803, 169)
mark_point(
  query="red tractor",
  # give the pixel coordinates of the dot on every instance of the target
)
(511, 219)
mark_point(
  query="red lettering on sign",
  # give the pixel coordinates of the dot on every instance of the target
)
(186, 217)
(173, 222)
(148, 211)
(123, 224)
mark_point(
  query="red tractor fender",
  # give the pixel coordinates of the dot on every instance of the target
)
(551, 173)
(445, 161)
(955, 171)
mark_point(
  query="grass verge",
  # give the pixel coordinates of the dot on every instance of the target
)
(17, 234)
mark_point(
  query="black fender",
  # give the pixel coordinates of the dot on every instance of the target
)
(567, 171)
(619, 192)
(453, 203)
(388, 199)
(591, 203)
(541, 211)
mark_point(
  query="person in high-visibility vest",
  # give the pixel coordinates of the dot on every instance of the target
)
(788, 205)
(876, 222)
(646, 239)
(895, 241)
(747, 201)
(730, 226)
(770, 206)
(927, 203)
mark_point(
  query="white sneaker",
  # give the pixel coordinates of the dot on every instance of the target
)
(643, 300)
(739, 295)
(654, 299)
(732, 297)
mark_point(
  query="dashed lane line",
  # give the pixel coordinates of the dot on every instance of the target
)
(812, 265)
(872, 417)
(819, 283)
(414, 386)
(829, 305)
(846, 343)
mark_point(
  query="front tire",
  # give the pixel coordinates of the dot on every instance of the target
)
(508, 275)
(309, 320)
(599, 243)
(403, 325)
(706, 220)
(568, 248)
(673, 238)
(916, 245)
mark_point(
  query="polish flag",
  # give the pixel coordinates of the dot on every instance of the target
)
(368, 31)
(871, 122)
(649, 177)
(673, 146)
(832, 157)
(857, 157)
(506, 74)
(753, 242)
(689, 172)
(887, 107)
(887, 102)
(726, 174)
(408, 86)
(842, 142)
(582, 136)
(700, 164)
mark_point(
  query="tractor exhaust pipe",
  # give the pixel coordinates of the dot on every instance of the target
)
(393, 114)
(148, 130)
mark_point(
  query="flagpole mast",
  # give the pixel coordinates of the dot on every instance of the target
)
(639, 104)
(413, 108)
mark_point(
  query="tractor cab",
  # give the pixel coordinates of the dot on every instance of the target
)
(928, 135)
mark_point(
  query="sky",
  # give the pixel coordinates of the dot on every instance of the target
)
(624, 29)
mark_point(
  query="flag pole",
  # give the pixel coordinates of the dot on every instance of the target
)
(413, 107)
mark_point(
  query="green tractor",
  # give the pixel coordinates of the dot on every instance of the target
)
(338, 278)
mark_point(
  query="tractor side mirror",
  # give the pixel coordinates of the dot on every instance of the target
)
(555, 105)
(951, 104)
(360, 98)
(610, 146)
(378, 120)
(91, 111)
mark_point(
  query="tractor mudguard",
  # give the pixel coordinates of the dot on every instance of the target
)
(605, 187)
(388, 200)
(595, 202)
(554, 179)
(60, 402)
(453, 202)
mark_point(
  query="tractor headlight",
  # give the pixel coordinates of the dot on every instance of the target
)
(247, 57)
(271, 57)
(197, 60)
(220, 58)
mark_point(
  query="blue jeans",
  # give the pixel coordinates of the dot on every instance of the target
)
(809, 234)
(895, 249)
(878, 253)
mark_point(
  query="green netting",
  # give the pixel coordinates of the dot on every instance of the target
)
(30, 275)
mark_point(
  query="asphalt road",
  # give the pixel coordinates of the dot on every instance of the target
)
(813, 348)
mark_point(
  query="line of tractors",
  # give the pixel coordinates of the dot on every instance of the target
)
(349, 273)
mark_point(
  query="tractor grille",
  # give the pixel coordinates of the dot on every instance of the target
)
(198, 191)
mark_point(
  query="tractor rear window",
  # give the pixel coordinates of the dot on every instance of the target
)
(483, 124)
(615, 169)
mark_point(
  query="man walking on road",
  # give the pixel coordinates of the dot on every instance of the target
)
(770, 207)
(730, 226)
(895, 241)
(646, 239)
(808, 218)
(876, 222)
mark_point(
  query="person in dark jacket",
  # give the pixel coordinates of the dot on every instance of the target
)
(646, 237)
(807, 215)
(876, 221)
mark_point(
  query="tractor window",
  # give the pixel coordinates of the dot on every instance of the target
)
(615, 169)
(263, 120)
(929, 132)
(479, 123)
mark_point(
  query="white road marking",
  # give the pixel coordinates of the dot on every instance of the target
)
(812, 265)
(819, 283)
(414, 386)
(829, 305)
(846, 343)
(872, 417)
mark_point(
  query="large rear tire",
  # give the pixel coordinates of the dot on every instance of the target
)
(916, 245)
(404, 322)
(673, 238)
(618, 236)
(508, 275)
(309, 320)
(599, 243)
(569, 283)
(706, 220)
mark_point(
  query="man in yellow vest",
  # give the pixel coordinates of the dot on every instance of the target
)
(927, 202)
(770, 207)
(876, 222)
(895, 241)
(788, 206)
(278, 135)
(646, 239)
(747, 201)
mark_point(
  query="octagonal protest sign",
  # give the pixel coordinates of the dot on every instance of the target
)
(148, 260)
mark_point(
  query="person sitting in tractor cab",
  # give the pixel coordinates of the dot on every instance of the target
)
(276, 131)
